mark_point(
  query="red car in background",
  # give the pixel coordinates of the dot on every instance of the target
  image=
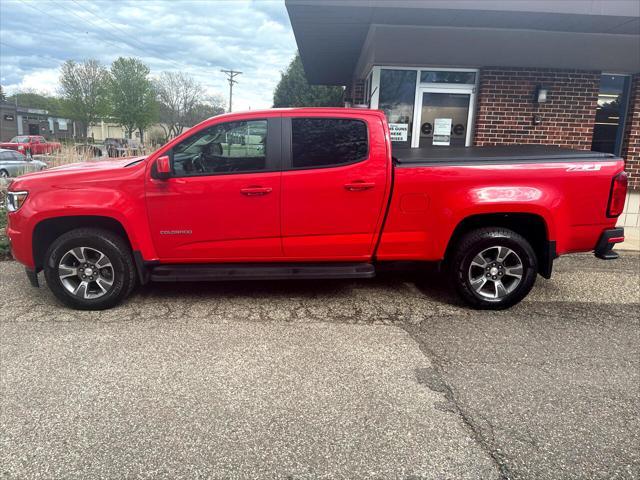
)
(31, 145)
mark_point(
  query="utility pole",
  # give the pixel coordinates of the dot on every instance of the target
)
(231, 74)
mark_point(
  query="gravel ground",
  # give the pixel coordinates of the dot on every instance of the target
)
(388, 378)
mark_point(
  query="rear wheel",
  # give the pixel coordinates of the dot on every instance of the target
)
(493, 268)
(90, 269)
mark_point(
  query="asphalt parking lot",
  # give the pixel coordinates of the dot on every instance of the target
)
(387, 378)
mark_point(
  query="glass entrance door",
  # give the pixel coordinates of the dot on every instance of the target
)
(443, 117)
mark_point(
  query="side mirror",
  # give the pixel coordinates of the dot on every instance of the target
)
(163, 167)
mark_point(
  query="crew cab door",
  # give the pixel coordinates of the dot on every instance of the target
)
(334, 186)
(221, 202)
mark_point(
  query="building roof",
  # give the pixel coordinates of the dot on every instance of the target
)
(341, 39)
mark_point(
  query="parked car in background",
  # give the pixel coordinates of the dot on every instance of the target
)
(14, 163)
(88, 149)
(31, 145)
(122, 147)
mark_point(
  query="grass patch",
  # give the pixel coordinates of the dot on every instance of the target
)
(4, 241)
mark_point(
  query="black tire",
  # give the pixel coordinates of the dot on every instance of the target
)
(123, 273)
(482, 242)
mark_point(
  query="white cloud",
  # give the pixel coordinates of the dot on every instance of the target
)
(42, 81)
(196, 37)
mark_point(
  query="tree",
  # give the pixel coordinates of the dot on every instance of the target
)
(209, 107)
(83, 87)
(131, 95)
(182, 102)
(294, 90)
(32, 99)
(3, 97)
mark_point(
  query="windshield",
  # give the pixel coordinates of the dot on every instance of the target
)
(19, 140)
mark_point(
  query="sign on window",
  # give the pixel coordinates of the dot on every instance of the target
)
(442, 131)
(399, 132)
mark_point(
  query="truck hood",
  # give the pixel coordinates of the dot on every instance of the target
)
(86, 167)
(75, 172)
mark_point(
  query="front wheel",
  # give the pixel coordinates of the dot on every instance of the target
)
(90, 269)
(493, 268)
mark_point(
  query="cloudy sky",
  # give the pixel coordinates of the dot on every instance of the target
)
(199, 37)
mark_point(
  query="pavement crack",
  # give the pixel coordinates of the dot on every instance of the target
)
(481, 429)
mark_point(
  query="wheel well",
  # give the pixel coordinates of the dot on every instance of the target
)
(46, 232)
(529, 225)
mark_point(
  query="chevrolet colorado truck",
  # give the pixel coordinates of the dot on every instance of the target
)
(31, 145)
(312, 193)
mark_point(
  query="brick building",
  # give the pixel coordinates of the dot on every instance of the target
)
(556, 72)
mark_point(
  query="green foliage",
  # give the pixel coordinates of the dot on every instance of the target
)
(4, 241)
(51, 104)
(2, 94)
(131, 95)
(84, 91)
(293, 90)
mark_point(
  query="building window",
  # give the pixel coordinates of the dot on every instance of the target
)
(610, 113)
(441, 76)
(396, 100)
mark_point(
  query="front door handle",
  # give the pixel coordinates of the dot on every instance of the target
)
(255, 191)
(359, 186)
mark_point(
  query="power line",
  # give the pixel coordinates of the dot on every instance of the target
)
(138, 42)
(117, 38)
(231, 75)
(63, 23)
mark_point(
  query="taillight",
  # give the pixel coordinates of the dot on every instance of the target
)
(617, 195)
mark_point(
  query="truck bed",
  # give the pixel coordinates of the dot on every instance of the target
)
(413, 157)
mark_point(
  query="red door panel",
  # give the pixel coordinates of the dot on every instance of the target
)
(333, 213)
(213, 218)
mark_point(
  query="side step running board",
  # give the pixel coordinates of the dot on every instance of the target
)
(258, 271)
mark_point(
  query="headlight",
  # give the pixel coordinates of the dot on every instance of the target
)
(15, 200)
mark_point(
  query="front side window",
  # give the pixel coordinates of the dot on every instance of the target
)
(19, 140)
(327, 142)
(232, 147)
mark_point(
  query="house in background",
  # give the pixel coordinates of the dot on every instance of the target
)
(490, 72)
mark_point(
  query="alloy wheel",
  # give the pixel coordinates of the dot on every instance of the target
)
(86, 272)
(495, 272)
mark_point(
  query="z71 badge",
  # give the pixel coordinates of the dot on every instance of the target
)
(584, 168)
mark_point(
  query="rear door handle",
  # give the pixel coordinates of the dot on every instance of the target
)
(359, 186)
(255, 191)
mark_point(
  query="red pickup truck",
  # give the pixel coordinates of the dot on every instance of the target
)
(312, 193)
(31, 145)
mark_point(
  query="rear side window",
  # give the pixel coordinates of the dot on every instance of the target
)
(327, 142)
